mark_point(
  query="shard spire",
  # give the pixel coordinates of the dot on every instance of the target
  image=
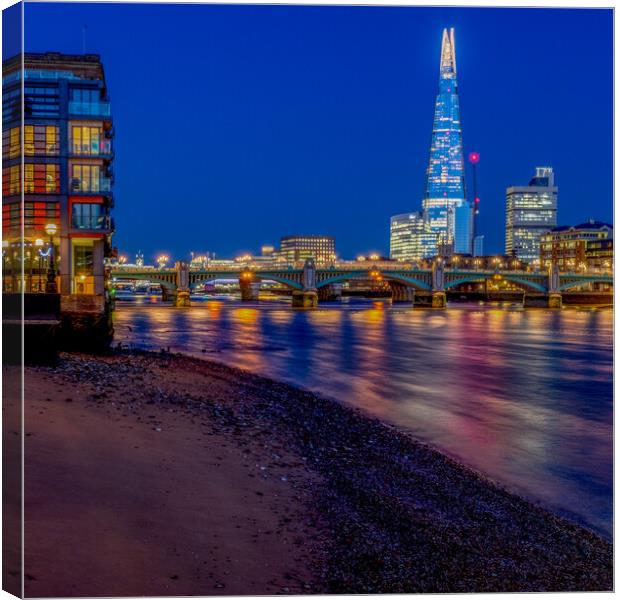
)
(445, 206)
(447, 68)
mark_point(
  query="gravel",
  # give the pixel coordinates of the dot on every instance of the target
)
(391, 514)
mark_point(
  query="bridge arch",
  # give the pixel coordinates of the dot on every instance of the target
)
(262, 277)
(474, 278)
(577, 282)
(405, 280)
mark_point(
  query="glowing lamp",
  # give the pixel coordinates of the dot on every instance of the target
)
(50, 229)
(474, 158)
(476, 200)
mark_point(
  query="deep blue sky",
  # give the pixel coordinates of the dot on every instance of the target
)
(239, 124)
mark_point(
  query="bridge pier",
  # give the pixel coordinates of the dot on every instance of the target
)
(182, 280)
(181, 299)
(439, 299)
(542, 300)
(305, 299)
(249, 290)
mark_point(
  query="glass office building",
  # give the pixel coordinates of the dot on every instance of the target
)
(445, 206)
(531, 211)
(411, 237)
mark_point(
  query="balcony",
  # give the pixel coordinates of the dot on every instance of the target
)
(91, 109)
(91, 186)
(101, 148)
(92, 223)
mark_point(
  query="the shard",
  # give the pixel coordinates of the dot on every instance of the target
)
(445, 205)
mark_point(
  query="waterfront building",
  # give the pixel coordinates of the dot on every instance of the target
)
(531, 211)
(411, 237)
(600, 254)
(67, 172)
(578, 247)
(448, 212)
(297, 248)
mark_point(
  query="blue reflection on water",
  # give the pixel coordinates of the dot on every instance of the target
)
(524, 396)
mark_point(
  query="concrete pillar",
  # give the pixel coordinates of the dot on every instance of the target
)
(182, 299)
(439, 295)
(554, 300)
(542, 300)
(182, 281)
(305, 299)
(439, 300)
(98, 267)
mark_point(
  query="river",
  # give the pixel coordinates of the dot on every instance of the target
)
(523, 396)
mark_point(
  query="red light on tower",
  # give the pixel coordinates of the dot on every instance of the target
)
(474, 158)
(476, 200)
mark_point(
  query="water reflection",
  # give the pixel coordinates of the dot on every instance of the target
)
(525, 396)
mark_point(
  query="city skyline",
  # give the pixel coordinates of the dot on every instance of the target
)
(340, 145)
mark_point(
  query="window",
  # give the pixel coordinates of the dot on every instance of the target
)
(88, 216)
(88, 96)
(10, 180)
(41, 178)
(87, 140)
(41, 101)
(11, 105)
(41, 140)
(10, 143)
(85, 178)
(39, 214)
(83, 260)
(36, 216)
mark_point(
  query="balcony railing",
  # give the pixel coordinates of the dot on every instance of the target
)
(99, 222)
(101, 148)
(91, 186)
(92, 109)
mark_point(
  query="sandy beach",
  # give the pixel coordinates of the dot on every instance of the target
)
(158, 474)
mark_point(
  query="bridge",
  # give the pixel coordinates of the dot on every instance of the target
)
(421, 287)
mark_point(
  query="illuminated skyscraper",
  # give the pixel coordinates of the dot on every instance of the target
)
(445, 206)
(411, 237)
(531, 211)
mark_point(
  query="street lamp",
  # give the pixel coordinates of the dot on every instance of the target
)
(50, 284)
(162, 259)
(38, 243)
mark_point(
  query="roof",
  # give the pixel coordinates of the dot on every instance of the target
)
(588, 225)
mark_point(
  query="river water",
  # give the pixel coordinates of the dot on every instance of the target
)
(523, 396)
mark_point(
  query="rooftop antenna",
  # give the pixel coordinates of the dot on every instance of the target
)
(84, 28)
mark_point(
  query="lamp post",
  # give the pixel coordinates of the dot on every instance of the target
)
(162, 259)
(50, 284)
(38, 243)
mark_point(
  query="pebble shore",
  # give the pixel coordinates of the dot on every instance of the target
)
(385, 513)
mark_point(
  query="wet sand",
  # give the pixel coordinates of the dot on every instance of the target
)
(151, 474)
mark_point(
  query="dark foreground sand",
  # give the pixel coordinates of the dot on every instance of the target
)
(163, 475)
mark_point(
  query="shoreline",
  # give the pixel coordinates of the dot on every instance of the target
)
(381, 512)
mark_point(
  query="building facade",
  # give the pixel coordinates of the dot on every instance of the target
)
(297, 248)
(67, 172)
(411, 237)
(448, 212)
(531, 211)
(578, 247)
